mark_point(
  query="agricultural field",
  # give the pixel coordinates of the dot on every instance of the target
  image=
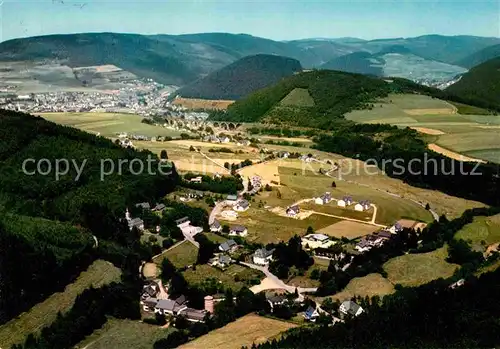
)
(243, 332)
(43, 314)
(483, 232)
(348, 229)
(419, 269)
(228, 277)
(475, 135)
(369, 285)
(109, 124)
(389, 208)
(180, 256)
(124, 334)
(208, 104)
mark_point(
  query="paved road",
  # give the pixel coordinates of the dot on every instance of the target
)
(277, 281)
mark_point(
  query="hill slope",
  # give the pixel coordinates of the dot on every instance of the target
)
(480, 57)
(242, 77)
(334, 94)
(481, 83)
(357, 62)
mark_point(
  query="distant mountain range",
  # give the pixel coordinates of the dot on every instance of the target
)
(242, 77)
(480, 57)
(182, 59)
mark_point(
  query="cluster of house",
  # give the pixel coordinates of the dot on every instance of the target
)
(223, 259)
(235, 230)
(138, 222)
(361, 206)
(347, 308)
(378, 238)
(216, 139)
(195, 195)
(152, 302)
(185, 226)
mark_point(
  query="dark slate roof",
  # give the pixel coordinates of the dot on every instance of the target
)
(243, 203)
(181, 300)
(144, 205)
(194, 314)
(347, 198)
(151, 302)
(182, 220)
(135, 222)
(294, 208)
(216, 224)
(277, 298)
(238, 228)
(226, 246)
(223, 259)
(166, 304)
(384, 234)
(363, 243)
(263, 253)
(159, 207)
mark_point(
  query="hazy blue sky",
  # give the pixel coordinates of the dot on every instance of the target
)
(278, 19)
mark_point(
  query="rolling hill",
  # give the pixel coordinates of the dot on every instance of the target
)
(242, 77)
(332, 93)
(481, 83)
(480, 57)
(182, 59)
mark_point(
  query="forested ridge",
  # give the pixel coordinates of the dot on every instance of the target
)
(46, 225)
(242, 77)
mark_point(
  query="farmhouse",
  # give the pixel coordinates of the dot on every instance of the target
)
(314, 241)
(228, 246)
(293, 211)
(158, 208)
(221, 261)
(143, 205)
(396, 228)
(176, 307)
(350, 308)
(263, 256)
(362, 206)
(215, 227)
(363, 246)
(198, 179)
(238, 230)
(168, 307)
(311, 314)
(345, 201)
(276, 299)
(136, 223)
(323, 199)
(241, 206)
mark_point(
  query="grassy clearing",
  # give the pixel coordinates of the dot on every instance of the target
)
(108, 124)
(390, 208)
(197, 103)
(43, 314)
(182, 255)
(481, 233)
(492, 155)
(124, 334)
(419, 269)
(227, 277)
(369, 285)
(348, 229)
(477, 139)
(333, 209)
(243, 332)
(215, 238)
(298, 97)
(267, 227)
(468, 109)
